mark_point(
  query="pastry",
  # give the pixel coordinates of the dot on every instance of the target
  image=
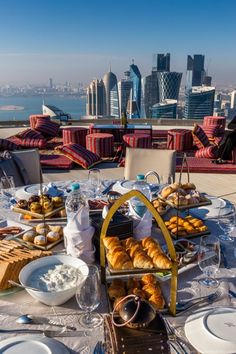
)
(40, 240)
(57, 201)
(116, 292)
(29, 236)
(151, 289)
(137, 292)
(34, 198)
(133, 250)
(47, 206)
(53, 236)
(133, 283)
(148, 279)
(35, 207)
(166, 191)
(157, 301)
(188, 186)
(22, 204)
(40, 228)
(109, 242)
(56, 228)
(141, 260)
(161, 261)
(44, 198)
(119, 260)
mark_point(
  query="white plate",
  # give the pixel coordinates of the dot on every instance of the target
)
(6, 223)
(207, 330)
(32, 345)
(127, 185)
(210, 211)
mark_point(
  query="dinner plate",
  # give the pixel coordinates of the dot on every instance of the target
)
(211, 211)
(215, 327)
(127, 185)
(9, 223)
(32, 345)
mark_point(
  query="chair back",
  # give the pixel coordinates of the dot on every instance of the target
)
(30, 159)
(140, 161)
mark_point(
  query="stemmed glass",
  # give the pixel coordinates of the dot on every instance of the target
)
(226, 221)
(7, 182)
(94, 180)
(209, 259)
(88, 293)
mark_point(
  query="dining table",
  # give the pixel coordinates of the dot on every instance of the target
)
(15, 301)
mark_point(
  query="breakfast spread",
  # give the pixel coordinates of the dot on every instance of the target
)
(131, 253)
(182, 195)
(43, 234)
(146, 287)
(13, 258)
(160, 206)
(183, 226)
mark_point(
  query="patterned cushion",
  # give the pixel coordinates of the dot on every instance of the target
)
(79, 155)
(30, 134)
(47, 127)
(6, 144)
(209, 152)
(28, 142)
(199, 137)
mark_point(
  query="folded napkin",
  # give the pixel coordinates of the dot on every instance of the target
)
(78, 235)
(142, 225)
(52, 190)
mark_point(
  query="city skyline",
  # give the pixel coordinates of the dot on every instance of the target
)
(77, 41)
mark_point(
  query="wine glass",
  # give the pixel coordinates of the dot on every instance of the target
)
(226, 221)
(209, 259)
(88, 293)
(7, 182)
(94, 180)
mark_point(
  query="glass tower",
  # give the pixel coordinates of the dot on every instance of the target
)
(195, 70)
(199, 102)
(169, 84)
(165, 109)
(136, 78)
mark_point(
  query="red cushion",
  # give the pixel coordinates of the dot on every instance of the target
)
(28, 142)
(199, 137)
(6, 144)
(30, 134)
(209, 152)
(56, 161)
(47, 127)
(79, 155)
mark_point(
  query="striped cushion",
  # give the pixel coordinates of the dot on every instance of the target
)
(28, 142)
(33, 119)
(199, 137)
(6, 144)
(79, 155)
(47, 128)
(29, 134)
(209, 152)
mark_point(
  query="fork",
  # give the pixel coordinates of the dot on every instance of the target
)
(186, 305)
(173, 336)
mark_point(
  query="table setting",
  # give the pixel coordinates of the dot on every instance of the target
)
(205, 300)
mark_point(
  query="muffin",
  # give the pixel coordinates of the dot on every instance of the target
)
(29, 236)
(53, 236)
(57, 201)
(40, 240)
(35, 207)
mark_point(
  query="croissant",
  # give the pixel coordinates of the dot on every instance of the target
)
(141, 260)
(157, 301)
(115, 292)
(133, 283)
(151, 289)
(153, 250)
(129, 242)
(137, 292)
(161, 261)
(134, 249)
(146, 241)
(148, 279)
(116, 248)
(120, 260)
(111, 241)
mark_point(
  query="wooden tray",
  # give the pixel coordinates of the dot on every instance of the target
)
(198, 234)
(153, 339)
(32, 245)
(184, 207)
(37, 215)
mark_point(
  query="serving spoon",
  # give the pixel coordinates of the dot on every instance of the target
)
(12, 282)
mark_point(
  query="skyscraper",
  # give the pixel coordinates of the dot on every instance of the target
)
(195, 71)
(169, 84)
(124, 92)
(110, 84)
(161, 62)
(50, 83)
(233, 99)
(136, 78)
(165, 109)
(199, 102)
(96, 99)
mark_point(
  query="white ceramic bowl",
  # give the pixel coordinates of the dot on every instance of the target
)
(56, 297)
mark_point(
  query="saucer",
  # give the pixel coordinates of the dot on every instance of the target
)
(215, 327)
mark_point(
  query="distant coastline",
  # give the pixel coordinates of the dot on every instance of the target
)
(11, 108)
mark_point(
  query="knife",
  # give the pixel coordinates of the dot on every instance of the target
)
(47, 333)
(225, 261)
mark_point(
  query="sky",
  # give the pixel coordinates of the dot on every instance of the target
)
(77, 40)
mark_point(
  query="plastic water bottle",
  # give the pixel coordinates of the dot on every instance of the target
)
(142, 186)
(74, 201)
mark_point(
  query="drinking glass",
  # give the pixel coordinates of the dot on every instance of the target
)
(7, 182)
(209, 259)
(88, 294)
(94, 180)
(226, 221)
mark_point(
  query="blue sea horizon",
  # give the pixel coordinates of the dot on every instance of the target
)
(76, 106)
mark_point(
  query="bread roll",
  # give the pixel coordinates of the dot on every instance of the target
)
(40, 240)
(29, 236)
(53, 236)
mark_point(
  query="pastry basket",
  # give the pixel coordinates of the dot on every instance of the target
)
(166, 234)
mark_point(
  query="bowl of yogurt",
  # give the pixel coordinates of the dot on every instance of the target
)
(55, 276)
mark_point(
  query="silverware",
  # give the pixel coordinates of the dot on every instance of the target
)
(175, 338)
(106, 190)
(12, 282)
(46, 332)
(185, 305)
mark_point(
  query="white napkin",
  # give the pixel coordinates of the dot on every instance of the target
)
(142, 225)
(78, 235)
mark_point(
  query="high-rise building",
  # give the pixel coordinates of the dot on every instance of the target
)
(199, 102)
(136, 78)
(233, 99)
(169, 85)
(164, 109)
(161, 62)
(195, 71)
(96, 102)
(110, 84)
(124, 93)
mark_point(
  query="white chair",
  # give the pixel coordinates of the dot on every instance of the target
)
(30, 160)
(141, 161)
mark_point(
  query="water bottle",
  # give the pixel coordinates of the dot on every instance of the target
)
(74, 201)
(142, 186)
